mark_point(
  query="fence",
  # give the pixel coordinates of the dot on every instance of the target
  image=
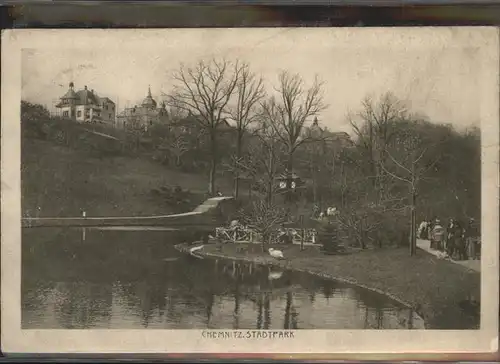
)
(248, 235)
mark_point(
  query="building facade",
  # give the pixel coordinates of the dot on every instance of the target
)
(86, 106)
(143, 115)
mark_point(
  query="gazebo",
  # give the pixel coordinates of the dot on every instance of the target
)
(287, 181)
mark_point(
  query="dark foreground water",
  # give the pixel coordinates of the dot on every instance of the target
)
(113, 279)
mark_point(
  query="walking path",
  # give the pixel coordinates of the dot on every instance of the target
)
(469, 264)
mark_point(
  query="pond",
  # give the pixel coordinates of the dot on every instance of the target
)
(119, 279)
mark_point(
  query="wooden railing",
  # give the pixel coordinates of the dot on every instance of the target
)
(248, 235)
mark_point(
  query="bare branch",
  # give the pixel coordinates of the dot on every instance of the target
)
(291, 109)
(397, 163)
(394, 175)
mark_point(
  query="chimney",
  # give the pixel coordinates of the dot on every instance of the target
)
(85, 87)
(92, 90)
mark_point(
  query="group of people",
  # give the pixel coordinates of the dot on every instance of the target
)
(321, 214)
(456, 240)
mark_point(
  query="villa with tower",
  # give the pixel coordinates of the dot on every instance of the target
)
(143, 115)
(86, 106)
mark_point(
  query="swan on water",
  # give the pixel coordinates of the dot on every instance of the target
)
(277, 254)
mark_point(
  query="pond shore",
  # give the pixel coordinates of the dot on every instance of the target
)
(437, 290)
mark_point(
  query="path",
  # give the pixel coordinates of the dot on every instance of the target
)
(474, 265)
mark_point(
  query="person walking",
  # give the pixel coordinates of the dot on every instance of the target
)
(450, 243)
(459, 241)
(437, 236)
(421, 233)
(472, 239)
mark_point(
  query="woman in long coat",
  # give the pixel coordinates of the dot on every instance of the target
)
(459, 240)
(437, 236)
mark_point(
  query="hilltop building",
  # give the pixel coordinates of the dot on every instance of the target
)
(86, 106)
(339, 139)
(140, 116)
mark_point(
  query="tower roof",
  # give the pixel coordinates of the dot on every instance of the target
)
(71, 94)
(149, 101)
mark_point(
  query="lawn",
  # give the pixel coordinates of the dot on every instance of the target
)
(63, 181)
(440, 291)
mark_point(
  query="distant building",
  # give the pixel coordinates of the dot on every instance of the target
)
(338, 139)
(140, 116)
(342, 138)
(86, 106)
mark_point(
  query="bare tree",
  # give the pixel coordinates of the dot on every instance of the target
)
(177, 147)
(409, 160)
(249, 92)
(375, 128)
(264, 160)
(291, 109)
(264, 218)
(205, 91)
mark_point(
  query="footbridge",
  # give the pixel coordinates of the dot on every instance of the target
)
(212, 213)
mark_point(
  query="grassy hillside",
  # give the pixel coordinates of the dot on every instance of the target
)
(63, 181)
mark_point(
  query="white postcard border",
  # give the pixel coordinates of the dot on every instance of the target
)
(14, 339)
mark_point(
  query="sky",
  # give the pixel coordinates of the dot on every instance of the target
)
(437, 73)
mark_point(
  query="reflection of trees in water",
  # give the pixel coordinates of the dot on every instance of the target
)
(263, 311)
(209, 307)
(82, 305)
(236, 313)
(267, 312)
(288, 309)
(328, 288)
(176, 289)
(259, 312)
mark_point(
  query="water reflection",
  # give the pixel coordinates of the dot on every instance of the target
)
(135, 279)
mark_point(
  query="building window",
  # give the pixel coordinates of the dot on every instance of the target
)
(79, 113)
(110, 115)
(66, 113)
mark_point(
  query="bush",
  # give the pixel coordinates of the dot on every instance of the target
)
(176, 198)
(328, 237)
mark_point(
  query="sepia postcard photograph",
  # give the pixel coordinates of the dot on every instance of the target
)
(272, 190)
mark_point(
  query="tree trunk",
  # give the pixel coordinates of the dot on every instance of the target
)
(288, 308)
(269, 192)
(213, 165)
(362, 234)
(289, 176)
(413, 234)
(239, 147)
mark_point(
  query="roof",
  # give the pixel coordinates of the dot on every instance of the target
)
(86, 97)
(139, 111)
(284, 175)
(107, 100)
(83, 97)
(70, 95)
(149, 102)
